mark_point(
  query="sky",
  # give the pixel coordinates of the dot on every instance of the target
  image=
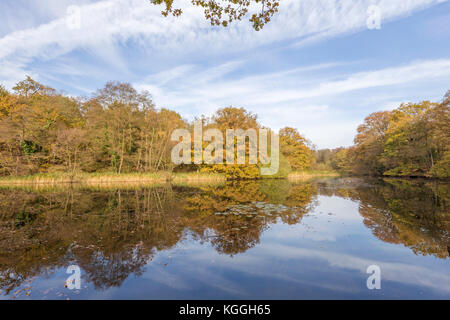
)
(320, 66)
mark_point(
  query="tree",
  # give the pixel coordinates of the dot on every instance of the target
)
(412, 140)
(3, 91)
(68, 145)
(30, 87)
(341, 160)
(32, 118)
(236, 119)
(123, 107)
(119, 129)
(222, 13)
(409, 148)
(447, 95)
(369, 143)
(294, 147)
(440, 133)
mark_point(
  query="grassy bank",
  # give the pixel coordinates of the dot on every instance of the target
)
(132, 180)
(312, 174)
(111, 178)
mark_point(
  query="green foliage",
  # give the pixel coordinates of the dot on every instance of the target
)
(30, 147)
(331, 160)
(23, 218)
(442, 168)
(339, 161)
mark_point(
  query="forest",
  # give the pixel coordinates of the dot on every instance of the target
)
(118, 129)
(410, 141)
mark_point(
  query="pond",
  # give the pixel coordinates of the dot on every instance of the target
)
(268, 239)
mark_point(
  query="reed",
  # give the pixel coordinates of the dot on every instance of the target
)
(112, 179)
(301, 175)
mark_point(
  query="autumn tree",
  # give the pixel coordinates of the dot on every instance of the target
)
(122, 106)
(412, 140)
(232, 118)
(446, 96)
(120, 129)
(410, 147)
(29, 87)
(369, 143)
(295, 148)
(439, 121)
(32, 118)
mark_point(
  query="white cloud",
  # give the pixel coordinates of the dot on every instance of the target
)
(284, 98)
(392, 105)
(363, 80)
(301, 97)
(106, 24)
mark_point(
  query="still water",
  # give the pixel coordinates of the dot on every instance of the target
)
(271, 239)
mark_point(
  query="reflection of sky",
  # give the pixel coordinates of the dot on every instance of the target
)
(324, 256)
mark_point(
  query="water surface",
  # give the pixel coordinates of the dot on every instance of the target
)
(271, 239)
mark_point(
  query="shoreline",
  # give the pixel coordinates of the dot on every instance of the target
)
(162, 177)
(424, 178)
(110, 178)
(313, 174)
(139, 178)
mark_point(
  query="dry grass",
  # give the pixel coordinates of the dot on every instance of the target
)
(312, 174)
(107, 180)
(112, 180)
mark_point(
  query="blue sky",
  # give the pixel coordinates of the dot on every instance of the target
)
(315, 67)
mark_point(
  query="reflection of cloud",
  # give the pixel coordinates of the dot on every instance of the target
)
(191, 270)
(397, 272)
(302, 266)
(166, 278)
(258, 265)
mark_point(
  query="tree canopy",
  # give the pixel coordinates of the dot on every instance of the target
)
(119, 129)
(412, 140)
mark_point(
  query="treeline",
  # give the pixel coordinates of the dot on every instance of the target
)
(412, 140)
(117, 129)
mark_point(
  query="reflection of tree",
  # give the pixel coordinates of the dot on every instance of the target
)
(420, 214)
(239, 212)
(413, 213)
(228, 234)
(112, 234)
(111, 270)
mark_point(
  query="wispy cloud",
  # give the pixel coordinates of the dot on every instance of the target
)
(286, 97)
(109, 23)
(194, 68)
